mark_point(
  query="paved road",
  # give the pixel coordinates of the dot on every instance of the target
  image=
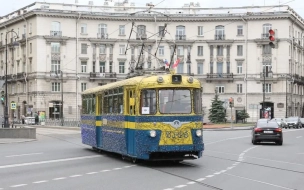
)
(58, 160)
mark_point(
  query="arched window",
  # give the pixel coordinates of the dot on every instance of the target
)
(180, 32)
(141, 31)
(266, 28)
(220, 32)
(102, 29)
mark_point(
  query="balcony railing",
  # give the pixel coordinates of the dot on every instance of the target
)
(180, 37)
(56, 33)
(97, 75)
(270, 75)
(265, 35)
(219, 37)
(21, 75)
(141, 36)
(219, 75)
(102, 35)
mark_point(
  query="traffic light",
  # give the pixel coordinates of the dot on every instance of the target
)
(231, 102)
(272, 38)
(2, 97)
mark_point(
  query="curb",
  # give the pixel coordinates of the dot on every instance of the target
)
(228, 129)
(16, 141)
(57, 127)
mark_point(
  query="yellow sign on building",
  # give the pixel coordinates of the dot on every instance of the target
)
(13, 105)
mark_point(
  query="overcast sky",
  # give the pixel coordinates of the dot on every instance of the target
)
(8, 6)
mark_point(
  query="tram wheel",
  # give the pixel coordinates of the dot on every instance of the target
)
(134, 160)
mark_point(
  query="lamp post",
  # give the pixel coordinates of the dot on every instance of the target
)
(6, 124)
(57, 73)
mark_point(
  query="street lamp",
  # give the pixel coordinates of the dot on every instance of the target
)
(6, 124)
(57, 74)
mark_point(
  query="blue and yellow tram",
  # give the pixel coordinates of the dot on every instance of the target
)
(156, 117)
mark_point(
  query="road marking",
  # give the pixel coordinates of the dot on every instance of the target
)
(129, 166)
(180, 186)
(299, 137)
(223, 171)
(59, 178)
(92, 173)
(228, 139)
(20, 185)
(48, 161)
(200, 179)
(270, 184)
(104, 170)
(75, 175)
(191, 183)
(209, 175)
(117, 168)
(23, 154)
(44, 181)
(217, 173)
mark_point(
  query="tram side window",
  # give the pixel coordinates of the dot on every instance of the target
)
(88, 105)
(105, 104)
(120, 103)
(93, 104)
(197, 101)
(148, 102)
(84, 105)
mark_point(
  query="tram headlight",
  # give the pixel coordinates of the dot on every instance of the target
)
(152, 133)
(198, 133)
(190, 79)
(160, 79)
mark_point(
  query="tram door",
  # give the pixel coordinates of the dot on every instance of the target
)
(130, 112)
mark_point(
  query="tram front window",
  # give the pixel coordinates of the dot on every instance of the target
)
(174, 101)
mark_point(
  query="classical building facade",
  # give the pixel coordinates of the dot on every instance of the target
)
(64, 49)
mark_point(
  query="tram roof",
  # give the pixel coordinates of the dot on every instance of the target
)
(134, 81)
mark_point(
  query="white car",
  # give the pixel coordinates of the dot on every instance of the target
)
(29, 120)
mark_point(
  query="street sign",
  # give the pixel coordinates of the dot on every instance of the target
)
(13, 105)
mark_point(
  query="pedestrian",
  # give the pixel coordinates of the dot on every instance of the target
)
(36, 118)
(22, 118)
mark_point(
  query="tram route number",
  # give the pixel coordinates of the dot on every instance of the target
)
(177, 134)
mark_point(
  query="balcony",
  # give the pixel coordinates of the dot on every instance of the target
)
(270, 75)
(102, 35)
(20, 76)
(219, 37)
(106, 75)
(219, 77)
(56, 33)
(141, 36)
(180, 37)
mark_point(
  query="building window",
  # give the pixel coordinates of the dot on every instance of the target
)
(121, 67)
(149, 65)
(83, 66)
(30, 28)
(239, 88)
(161, 50)
(180, 50)
(266, 28)
(200, 31)
(122, 30)
(13, 89)
(220, 89)
(102, 67)
(211, 67)
(219, 50)
(228, 67)
(83, 28)
(56, 27)
(84, 48)
(55, 47)
(180, 32)
(266, 49)
(180, 68)
(83, 86)
(55, 87)
(111, 67)
(211, 50)
(23, 67)
(228, 50)
(219, 32)
(161, 31)
(31, 47)
(239, 30)
(200, 68)
(239, 67)
(55, 65)
(267, 88)
(102, 49)
(121, 49)
(200, 51)
(102, 29)
(141, 30)
(239, 50)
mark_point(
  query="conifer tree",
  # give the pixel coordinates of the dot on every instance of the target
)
(217, 111)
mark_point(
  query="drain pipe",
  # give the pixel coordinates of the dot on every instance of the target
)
(77, 108)
(26, 66)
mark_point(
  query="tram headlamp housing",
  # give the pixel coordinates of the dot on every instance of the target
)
(152, 133)
(190, 79)
(198, 133)
(160, 79)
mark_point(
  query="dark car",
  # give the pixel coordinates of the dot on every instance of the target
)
(293, 122)
(302, 122)
(267, 132)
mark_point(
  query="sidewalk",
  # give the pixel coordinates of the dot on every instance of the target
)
(228, 126)
(17, 140)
